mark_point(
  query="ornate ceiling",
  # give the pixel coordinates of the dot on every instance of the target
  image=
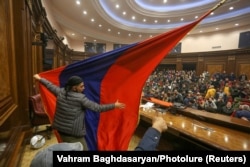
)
(128, 21)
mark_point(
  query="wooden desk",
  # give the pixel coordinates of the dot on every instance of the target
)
(195, 130)
(216, 118)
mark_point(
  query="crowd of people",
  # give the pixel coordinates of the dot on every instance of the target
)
(219, 92)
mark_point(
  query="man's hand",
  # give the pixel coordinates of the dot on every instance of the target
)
(159, 124)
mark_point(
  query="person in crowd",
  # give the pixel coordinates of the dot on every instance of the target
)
(244, 113)
(220, 103)
(221, 94)
(210, 105)
(226, 89)
(71, 104)
(199, 102)
(210, 92)
(235, 91)
(189, 100)
(176, 97)
(232, 76)
(227, 109)
(236, 103)
(243, 77)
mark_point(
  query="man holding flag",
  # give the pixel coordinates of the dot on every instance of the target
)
(70, 109)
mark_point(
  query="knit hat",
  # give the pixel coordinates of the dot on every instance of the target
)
(44, 158)
(74, 80)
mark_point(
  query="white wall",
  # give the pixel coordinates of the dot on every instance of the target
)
(227, 39)
(217, 40)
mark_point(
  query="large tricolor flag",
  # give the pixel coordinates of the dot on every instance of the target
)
(116, 75)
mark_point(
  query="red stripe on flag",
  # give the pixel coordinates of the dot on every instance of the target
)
(124, 81)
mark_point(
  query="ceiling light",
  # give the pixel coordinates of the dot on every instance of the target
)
(92, 20)
(217, 28)
(236, 24)
(117, 6)
(84, 12)
(100, 25)
(165, 1)
(118, 33)
(182, 19)
(124, 13)
(73, 34)
(144, 20)
(212, 13)
(133, 17)
(196, 17)
(78, 2)
(231, 8)
(168, 20)
(109, 29)
(156, 21)
(129, 34)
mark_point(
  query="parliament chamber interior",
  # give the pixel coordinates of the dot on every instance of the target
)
(192, 73)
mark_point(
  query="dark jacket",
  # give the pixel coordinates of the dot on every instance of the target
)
(70, 112)
(149, 141)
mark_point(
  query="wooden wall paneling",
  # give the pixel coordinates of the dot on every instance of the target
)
(230, 64)
(243, 68)
(242, 62)
(200, 66)
(178, 64)
(8, 94)
(12, 13)
(214, 68)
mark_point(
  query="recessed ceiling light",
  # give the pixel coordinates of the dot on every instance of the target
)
(84, 12)
(201, 31)
(100, 25)
(212, 13)
(182, 19)
(165, 1)
(168, 20)
(217, 28)
(236, 24)
(133, 17)
(92, 20)
(109, 29)
(118, 33)
(156, 21)
(231, 8)
(144, 20)
(73, 34)
(78, 2)
(129, 34)
(117, 6)
(124, 13)
(196, 17)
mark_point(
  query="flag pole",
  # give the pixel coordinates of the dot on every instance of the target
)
(218, 5)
